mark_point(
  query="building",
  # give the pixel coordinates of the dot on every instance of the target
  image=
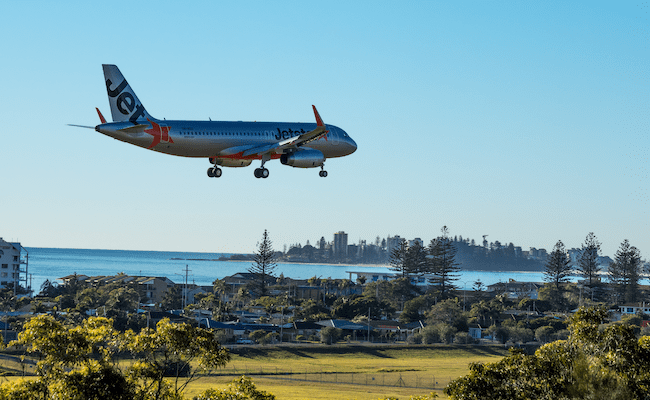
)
(13, 264)
(392, 243)
(340, 244)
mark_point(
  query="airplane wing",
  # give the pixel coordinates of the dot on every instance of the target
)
(278, 148)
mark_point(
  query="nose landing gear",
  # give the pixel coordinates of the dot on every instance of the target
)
(322, 173)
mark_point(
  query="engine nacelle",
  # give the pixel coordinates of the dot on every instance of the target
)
(230, 162)
(307, 158)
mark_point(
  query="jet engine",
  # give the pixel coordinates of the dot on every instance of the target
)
(306, 158)
(229, 162)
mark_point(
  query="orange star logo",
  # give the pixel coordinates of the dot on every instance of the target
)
(159, 133)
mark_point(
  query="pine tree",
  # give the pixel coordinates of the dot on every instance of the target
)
(416, 259)
(263, 266)
(442, 264)
(558, 268)
(588, 261)
(625, 272)
(398, 257)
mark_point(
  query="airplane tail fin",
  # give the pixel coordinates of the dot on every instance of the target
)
(125, 105)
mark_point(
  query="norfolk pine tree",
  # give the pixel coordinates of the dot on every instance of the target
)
(264, 265)
(398, 257)
(625, 272)
(442, 264)
(557, 268)
(588, 261)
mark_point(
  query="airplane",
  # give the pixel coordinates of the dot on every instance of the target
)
(224, 144)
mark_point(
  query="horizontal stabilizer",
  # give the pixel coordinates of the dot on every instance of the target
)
(82, 126)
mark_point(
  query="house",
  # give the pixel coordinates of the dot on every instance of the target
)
(515, 289)
(349, 328)
(636, 308)
(306, 329)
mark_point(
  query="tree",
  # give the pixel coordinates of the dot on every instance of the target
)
(79, 362)
(594, 363)
(398, 257)
(442, 264)
(558, 268)
(588, 262)
(172, 299)
(264, 265)
(449, 312)
(329, 334)
(625, 272)
(416, 259)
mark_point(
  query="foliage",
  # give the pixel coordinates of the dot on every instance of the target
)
(550, 297)
(594, 363)
(414, 309)
(263, 265)
(442, 264)
(241, 388)
(588, 262)
(558, 266)
(329, 335)
(78, 362)
(397, 259)
(625, 273)
(449, 312)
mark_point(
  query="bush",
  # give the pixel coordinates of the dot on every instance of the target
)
(430, 335)
(415, 338)
(329, 335)
(464, 338)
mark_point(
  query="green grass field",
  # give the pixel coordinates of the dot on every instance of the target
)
(351, 372)
(343, 371)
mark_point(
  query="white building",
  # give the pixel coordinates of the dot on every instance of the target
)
(12, 256)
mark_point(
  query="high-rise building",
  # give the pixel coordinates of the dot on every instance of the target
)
(12, 256)
(391, 243)
(340, 244)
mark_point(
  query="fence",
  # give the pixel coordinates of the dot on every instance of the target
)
(407, 379)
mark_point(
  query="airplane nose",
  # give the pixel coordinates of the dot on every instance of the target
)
(352, 144)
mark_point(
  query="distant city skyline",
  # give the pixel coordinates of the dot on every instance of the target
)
(525, 121)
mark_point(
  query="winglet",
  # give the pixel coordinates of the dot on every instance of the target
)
(101, 117)
(319, 121)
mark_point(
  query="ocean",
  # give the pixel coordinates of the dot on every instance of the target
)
(203, 268)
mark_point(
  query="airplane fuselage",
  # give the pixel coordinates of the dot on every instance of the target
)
(209, 138)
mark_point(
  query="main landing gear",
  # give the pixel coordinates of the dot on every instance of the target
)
(322, 173)
(261, 172)
(214, 172)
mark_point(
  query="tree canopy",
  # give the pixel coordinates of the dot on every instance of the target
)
(594, 363)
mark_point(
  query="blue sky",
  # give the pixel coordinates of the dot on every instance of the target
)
(525, 121)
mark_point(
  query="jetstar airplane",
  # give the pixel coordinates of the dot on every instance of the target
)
(226, 144)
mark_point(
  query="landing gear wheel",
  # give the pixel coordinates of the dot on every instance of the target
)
(261, 173)
(322, 174)
(214, 172)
